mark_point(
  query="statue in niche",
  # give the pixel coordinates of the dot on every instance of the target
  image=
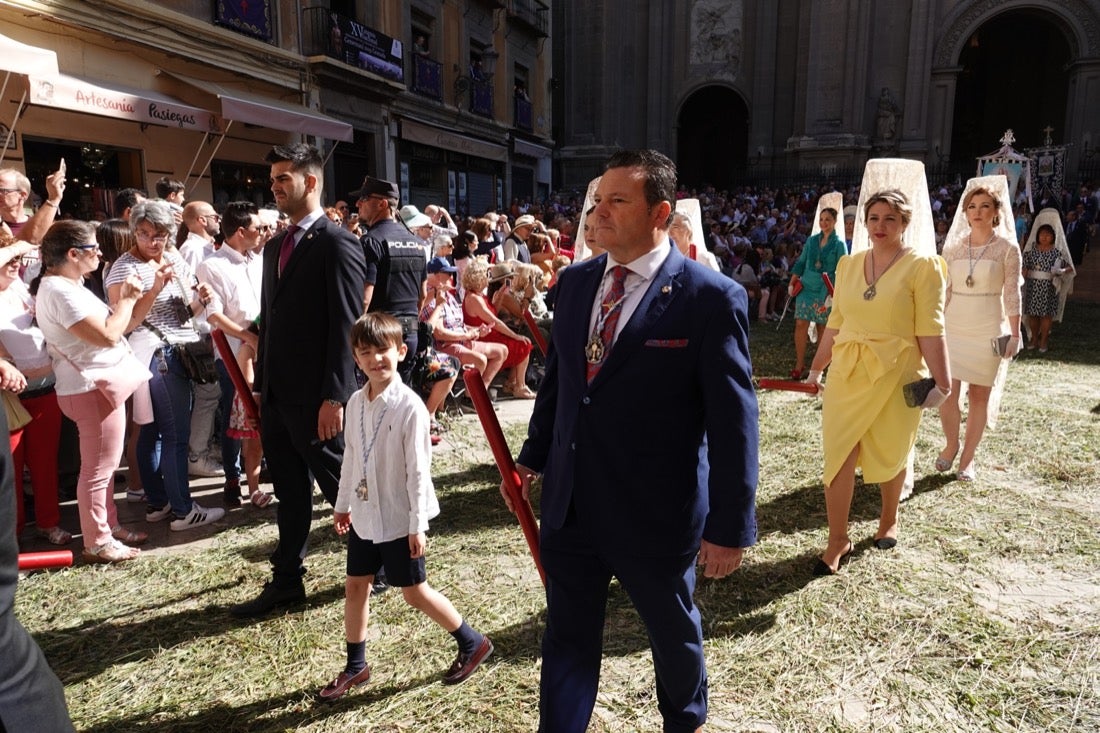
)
(886, 119)
(716, 32)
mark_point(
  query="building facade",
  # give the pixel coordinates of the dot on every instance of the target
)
(739, 89)
(447, 97)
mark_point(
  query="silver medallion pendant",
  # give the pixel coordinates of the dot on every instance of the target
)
(870, 293)
(361, 489)
(593, 350)
(969, 281)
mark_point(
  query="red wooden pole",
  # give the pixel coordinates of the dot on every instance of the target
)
(536, 334)
(503, 457)
(44, 560)
(239, 382)
(787, 385)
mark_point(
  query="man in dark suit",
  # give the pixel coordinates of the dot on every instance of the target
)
(312, 293)
(1077, 237)
(31, 696)
(645, 431)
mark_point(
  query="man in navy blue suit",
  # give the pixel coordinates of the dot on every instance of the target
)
(645, 433)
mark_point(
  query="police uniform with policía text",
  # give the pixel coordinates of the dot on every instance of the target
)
(397, 267)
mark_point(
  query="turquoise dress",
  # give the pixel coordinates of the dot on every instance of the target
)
(817, 257)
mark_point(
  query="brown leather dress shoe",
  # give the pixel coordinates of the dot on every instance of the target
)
(465, 664)
(344, 682)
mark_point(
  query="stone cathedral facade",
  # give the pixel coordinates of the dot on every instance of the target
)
(728, 87)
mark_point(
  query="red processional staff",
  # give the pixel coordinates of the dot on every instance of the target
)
(536, 334)
(503, 457)
(248, 402)
(45, 560)
(789, 385)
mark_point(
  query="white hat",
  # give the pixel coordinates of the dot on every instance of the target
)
(524, 221)
(413, 218)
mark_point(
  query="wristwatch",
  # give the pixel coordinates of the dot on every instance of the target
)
(335, 403)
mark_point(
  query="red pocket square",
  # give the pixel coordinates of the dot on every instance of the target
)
(667, 343)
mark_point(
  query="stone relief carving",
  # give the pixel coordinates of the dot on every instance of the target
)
(716, 33)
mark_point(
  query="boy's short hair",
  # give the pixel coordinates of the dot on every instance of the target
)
(377, 330)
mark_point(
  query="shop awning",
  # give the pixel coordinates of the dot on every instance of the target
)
(447, 140)
(254, 110)
(20, 58)
(110, 100)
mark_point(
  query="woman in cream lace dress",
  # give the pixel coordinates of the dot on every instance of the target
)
(983, 303)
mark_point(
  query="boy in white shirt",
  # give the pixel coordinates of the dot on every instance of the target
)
(386, 498)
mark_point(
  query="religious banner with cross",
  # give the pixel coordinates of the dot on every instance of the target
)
(1010, 163)
(1048, 168)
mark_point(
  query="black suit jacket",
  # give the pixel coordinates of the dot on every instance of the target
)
(306, 317)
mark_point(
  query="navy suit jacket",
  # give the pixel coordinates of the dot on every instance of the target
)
(661, 448)
(306, 317)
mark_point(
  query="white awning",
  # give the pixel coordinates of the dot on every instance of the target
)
(254, 110)
(20, 58)
(109, 100)
(531, 150)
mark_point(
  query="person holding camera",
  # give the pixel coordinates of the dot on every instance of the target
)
(159, 330)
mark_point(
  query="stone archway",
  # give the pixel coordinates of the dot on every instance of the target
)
(1012, 75)
(1068, 29)
(712, 137)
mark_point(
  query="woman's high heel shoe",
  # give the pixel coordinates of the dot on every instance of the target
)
(944, 464)
(822, 568)
(967, 475)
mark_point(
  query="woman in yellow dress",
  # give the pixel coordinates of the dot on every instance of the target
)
(886, 330)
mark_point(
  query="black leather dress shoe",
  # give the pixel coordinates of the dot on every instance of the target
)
(270, 598)
(465, 664)
(344, 682)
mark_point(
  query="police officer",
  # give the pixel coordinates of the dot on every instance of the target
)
(396, 263)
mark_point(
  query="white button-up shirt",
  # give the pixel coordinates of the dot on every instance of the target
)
(235, 279)
(387, 440)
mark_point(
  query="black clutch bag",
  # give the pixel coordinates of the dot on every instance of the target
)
(916, 392)
(1000, 344)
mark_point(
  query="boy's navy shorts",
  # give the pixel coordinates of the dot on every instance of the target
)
(367, 558)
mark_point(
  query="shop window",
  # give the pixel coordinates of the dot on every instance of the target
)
(94, 175)
(232, 181)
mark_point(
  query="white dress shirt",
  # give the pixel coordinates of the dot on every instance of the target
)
(642, 271)
(235, 279)
(400, 495)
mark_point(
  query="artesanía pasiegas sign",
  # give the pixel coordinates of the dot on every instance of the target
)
(68, 92)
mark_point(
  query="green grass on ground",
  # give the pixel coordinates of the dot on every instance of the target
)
(986, 616)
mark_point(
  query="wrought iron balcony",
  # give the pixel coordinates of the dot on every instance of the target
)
(523, 114)
(427, 77)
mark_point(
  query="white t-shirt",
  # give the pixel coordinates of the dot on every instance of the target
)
(21, 338)
(62, 303)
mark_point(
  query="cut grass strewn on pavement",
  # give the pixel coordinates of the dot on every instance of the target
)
(985, 617)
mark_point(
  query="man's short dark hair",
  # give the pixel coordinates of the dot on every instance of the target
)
(303, 158)
(660, 175)
(166, 186)
(237, 214)
(126, 198)
(376, 330)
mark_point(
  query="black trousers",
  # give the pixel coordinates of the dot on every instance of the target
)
(295, 457)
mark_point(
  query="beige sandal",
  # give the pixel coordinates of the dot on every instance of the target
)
(55, 535)
(129, 537)
(260, 499)
(109, 552)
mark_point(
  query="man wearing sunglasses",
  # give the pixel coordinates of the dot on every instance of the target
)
(15, 189)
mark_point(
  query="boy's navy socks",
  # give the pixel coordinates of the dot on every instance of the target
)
(357, 657)
(468, 639)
